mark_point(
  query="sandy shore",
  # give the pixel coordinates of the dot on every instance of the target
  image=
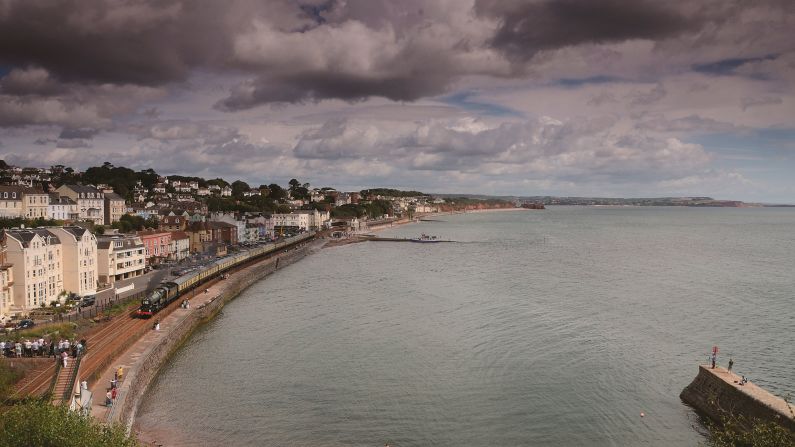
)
(359, 237)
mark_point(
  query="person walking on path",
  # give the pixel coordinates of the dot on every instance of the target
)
(731, 363)
(113, 394)
(120, 374)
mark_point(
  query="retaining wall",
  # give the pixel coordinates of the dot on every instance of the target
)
(137, 381)
(714, 393)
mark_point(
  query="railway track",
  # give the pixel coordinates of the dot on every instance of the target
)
(103, 345)
(107, 342)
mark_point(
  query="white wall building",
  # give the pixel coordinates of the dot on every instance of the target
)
(79, 248)
(6, 286)
(180, 245)
(22, 201)
(119, 256)
(38, 266)
(62, 208)
(90, 201)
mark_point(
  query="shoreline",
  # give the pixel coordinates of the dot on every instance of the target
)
(143, 360)
(238, 282)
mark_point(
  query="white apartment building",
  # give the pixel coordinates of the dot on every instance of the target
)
(120, 256)
(286, 223)
(62, 208)
(79, 248)
(38, 264)
(299, 220)
(6, 286)
(22, 201)
(90, 201)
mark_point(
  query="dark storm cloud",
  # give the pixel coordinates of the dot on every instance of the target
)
(143, 43)
(527, 27)
(293, 51)
(75, 143)
(85, 133)
(313, 87)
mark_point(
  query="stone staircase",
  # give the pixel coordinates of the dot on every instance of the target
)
(65, 381)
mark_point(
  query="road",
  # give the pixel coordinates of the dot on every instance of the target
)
(143, 282)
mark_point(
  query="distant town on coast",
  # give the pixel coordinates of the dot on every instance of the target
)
(173, 217)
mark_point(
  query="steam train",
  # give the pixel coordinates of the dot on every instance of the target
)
(166, 292)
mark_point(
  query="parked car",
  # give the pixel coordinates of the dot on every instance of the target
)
(88, 301)
(25, 324)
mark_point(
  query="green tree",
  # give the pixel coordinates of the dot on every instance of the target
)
(152, 222)
(298, 191)
(276, 192)
(239, 187)
(736, 431)
(128, 223)
(218, 181)
(36, 423)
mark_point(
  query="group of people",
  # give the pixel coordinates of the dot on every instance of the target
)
(185, 304)
(112, 392)
(42, 348)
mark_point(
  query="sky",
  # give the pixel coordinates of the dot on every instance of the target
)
(619, 98)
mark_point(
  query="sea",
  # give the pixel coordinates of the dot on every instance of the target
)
(554, 327)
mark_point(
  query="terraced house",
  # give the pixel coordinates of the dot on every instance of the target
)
(22, 201)
(157, 245)
(37, 257)
(62, 208)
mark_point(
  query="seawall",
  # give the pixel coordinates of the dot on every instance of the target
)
(715, 392)
(139, 377)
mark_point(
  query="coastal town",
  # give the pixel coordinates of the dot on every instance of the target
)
(69, 236)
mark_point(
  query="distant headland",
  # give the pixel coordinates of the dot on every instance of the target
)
(621, 201)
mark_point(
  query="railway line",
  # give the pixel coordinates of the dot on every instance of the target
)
(105, 343)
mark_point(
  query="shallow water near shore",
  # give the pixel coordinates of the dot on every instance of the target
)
(554, 327)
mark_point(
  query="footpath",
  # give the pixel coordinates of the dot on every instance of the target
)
(141, 361)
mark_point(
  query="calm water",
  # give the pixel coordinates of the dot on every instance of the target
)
(553, 327)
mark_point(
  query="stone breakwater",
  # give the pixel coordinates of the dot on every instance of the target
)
(154, 357)
(714, 392)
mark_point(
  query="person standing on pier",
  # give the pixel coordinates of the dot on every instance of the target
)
(731, 363)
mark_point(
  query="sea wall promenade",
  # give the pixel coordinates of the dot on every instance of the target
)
(715, 391)
(143, 359)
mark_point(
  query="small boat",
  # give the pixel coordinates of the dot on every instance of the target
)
(426, 239)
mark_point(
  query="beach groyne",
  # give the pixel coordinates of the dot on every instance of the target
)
(155, 356)
(717, 392)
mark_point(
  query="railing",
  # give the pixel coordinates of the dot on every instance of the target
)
(70, 387)
(54, 378)
(99, 308)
